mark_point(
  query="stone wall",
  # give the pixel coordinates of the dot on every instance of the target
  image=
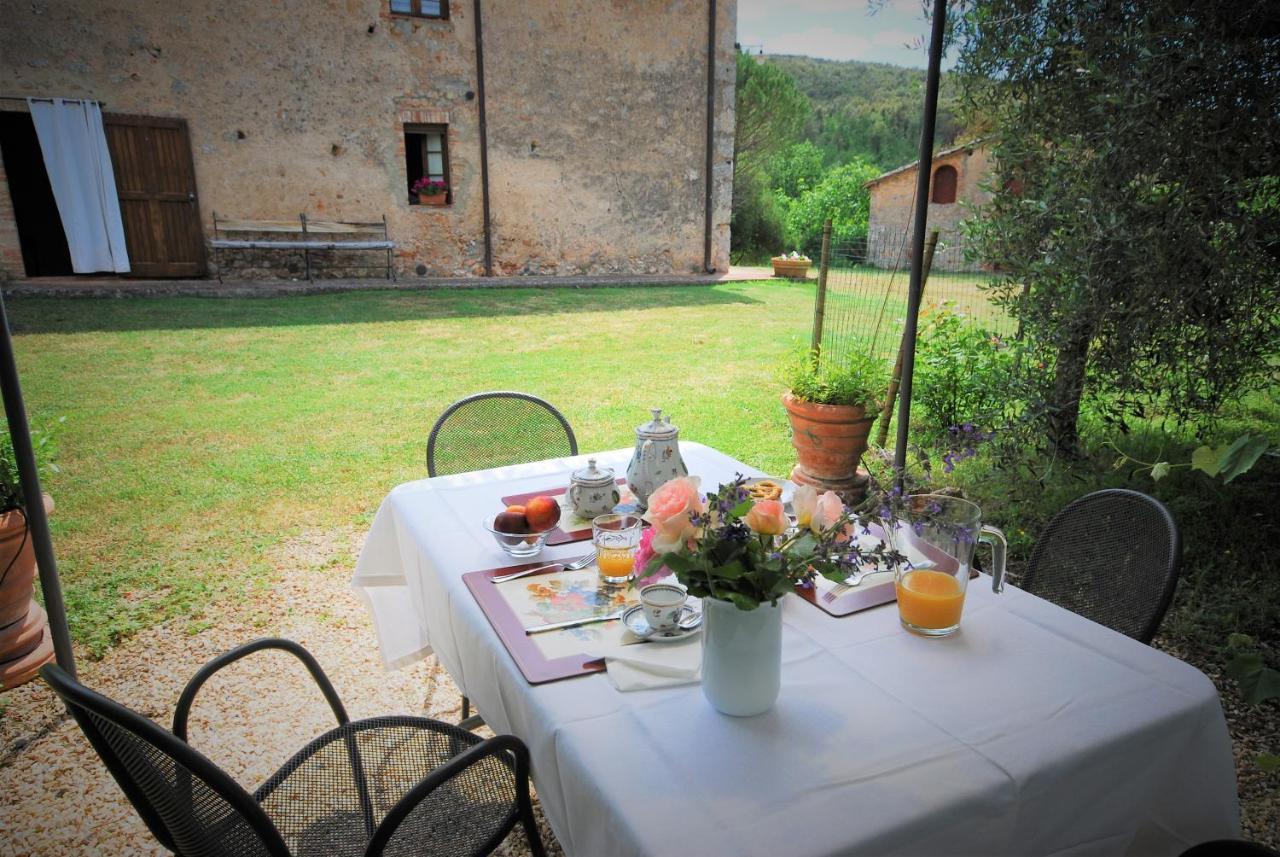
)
(596, 118)
(891, 201)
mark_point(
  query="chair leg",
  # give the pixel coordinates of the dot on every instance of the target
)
(525, 804)
(469, 721)
(530, 826)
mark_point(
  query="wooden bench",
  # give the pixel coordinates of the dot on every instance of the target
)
(304, 227)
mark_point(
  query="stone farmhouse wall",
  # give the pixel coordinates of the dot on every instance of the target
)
(891, 203)
(595, 115)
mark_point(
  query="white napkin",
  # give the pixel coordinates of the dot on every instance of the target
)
(640, 666)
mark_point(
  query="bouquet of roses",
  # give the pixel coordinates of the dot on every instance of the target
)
(725, 545)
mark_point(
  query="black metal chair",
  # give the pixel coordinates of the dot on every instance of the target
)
(395, 785)
(1111, 556)
(492, 430)
(495, 429)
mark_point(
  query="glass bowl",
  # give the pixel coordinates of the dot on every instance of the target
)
(518, 545)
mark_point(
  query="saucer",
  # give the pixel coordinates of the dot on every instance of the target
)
(635, 622)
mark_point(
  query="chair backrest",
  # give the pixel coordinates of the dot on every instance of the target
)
(496, 429)
(191, 806)
(1111, 556)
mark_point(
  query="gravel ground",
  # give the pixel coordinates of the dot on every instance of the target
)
(56, 798)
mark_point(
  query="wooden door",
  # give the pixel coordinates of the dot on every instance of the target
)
(156, 183)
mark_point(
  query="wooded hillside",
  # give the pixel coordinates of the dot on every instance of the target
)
(869, 110)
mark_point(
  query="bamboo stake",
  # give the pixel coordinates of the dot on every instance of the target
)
(820, 308)
(883, 432)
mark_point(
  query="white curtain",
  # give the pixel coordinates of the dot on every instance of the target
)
(74, 146)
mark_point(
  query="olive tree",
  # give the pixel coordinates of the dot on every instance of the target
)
(1136, 210)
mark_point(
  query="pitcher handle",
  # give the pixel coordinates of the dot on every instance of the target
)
(994, 536)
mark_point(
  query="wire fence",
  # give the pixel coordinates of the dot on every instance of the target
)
(866, 295)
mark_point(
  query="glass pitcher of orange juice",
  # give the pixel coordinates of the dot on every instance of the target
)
(939, 538)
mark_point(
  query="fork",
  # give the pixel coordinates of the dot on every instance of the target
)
(841, 588)
(569, 565)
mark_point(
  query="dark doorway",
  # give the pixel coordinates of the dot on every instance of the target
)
(44, 244)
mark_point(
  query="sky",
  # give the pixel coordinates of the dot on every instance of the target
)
(896, 33)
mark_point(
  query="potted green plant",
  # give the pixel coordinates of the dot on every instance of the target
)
(25, 644)
(742, 557)
(831, 405)
(430, 191)
(794, 266)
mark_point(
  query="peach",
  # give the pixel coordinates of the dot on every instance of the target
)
(543, 513)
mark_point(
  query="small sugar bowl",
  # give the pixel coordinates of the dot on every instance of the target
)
(592, 491)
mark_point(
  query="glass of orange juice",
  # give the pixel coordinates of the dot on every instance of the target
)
(940, 536)
(616, 537)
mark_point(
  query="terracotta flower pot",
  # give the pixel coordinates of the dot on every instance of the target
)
(25, 644)
(434, 198)
(829, 439)
(795, 269)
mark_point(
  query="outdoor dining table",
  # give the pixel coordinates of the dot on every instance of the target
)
(1030, 731)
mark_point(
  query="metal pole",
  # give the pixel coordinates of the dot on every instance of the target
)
(484, 144)
(711, 135)
(37, 521)
(820, 309)
(917, 236)
(892, 395)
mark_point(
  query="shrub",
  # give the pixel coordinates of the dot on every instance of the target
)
(857, 381)
(962, 375)
(841, 197)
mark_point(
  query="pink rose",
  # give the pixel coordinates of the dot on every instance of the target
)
(644, 553)
(669, 510)
(826, 512)
(768, 518)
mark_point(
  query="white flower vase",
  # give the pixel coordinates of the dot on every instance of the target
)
(741, 656)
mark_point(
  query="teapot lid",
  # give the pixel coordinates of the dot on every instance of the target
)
(658, 428)
(592, 475)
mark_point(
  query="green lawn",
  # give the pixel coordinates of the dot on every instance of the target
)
(199, 432)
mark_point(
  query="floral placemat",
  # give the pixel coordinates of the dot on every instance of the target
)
(553, 596)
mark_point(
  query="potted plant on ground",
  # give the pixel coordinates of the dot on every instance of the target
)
(741, 557)
(831, 405)
(794, 266)
(430, 191)
(25, 644)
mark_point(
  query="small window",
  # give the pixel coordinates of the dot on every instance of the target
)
(426, 156)
(421, 8)
(944, 185)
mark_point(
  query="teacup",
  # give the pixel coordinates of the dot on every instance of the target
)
(662, 603)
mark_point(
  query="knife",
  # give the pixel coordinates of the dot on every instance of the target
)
(573, 623)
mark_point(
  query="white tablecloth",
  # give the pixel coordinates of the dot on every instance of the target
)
(1031, 731)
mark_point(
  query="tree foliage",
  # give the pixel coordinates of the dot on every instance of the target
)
(872, 111)
(840, 196)
(796, 169)
(1136, 215)
(771, 113)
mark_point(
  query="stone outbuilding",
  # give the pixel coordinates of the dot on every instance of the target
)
(958, 184)
(575, 136)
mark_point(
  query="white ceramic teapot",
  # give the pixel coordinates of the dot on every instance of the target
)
(656, 458)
